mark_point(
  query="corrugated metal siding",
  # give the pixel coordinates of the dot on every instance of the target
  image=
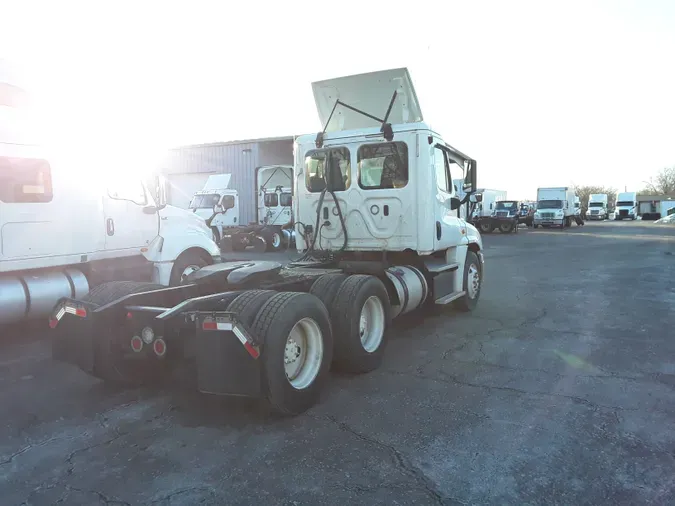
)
(225, 158)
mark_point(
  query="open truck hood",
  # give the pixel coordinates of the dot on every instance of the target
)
(370, 93)
(217, 182)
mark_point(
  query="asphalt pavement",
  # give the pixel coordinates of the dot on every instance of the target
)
(558, 389)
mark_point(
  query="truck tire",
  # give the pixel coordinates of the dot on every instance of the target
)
(186, 263)
(109, 292)
(107, 364)
(238, 242)
(259, 244)
(534, 225)
(505, 227)
(247, 305)
(486, 227)
(295, 330)
(326, 286)
(472, 282)
(274, 239)
(360, 314)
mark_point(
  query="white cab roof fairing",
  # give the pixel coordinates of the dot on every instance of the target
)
(370, 93)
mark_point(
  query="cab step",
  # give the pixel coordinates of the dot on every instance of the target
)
(447, 299)
(437, 266)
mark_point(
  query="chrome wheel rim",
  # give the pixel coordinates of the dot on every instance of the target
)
(303, 353)
(473, 281)
(371, 324)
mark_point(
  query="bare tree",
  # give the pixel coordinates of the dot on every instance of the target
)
(664, 182)
(584, 192)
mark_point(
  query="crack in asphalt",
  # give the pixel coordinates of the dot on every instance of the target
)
(647, 377)
(182, 491)
(29, 447)
(399, 458)
(452, 380)
(71, 456)
(102, 497)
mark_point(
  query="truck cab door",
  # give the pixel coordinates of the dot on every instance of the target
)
(230, 215)
(449, 229)
(131, 220)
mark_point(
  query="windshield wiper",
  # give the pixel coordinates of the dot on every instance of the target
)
(385, 127)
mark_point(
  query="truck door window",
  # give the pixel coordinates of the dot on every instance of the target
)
(25, 180)
(443, 179)
(132, 191)
(286, 200)
(315, 168)
(228, 202)
(271, 200)
(383, 165)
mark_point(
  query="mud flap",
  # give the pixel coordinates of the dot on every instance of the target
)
(225, 366)
(72, 326)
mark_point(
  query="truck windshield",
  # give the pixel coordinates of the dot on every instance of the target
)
(549, 204)
(286, 200)
(506, 204)
(595, 204)
(206, 201)
(625, 203)
(271, 200)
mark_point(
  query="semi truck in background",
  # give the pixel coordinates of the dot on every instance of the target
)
(626, 206)
(217, 204)
(63, 231)
(555, 207)
(577, 206)
(597, 207)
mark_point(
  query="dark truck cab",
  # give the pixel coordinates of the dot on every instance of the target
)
(505, 218)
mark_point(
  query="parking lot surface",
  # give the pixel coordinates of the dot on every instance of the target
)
(558, 389)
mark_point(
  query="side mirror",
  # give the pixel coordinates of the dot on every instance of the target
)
(218, 209)
(455, 203)
(160, 192)
(470, 180)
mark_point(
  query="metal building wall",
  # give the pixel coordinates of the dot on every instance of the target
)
(238, 159)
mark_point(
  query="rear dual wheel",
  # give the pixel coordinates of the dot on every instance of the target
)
(295, 330)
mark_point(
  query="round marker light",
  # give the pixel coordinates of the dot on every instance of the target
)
(136, 344)
(159, 347)
(148, 335)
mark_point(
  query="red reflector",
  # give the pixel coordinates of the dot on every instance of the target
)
(136, 344)
(159, 346)
(209, 326)
(53, 322)
(251, 350)
(81, 312)
(129, 316)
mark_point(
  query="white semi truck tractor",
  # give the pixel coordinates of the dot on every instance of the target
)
(377, 221)
(597, 207)
(65, 228)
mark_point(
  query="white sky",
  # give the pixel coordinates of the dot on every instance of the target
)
(539, 92)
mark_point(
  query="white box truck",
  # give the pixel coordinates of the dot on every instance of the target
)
(484, 201)
(217, 204)
(597, 207)
(555, 207)
(64, 227)
(626, 206)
